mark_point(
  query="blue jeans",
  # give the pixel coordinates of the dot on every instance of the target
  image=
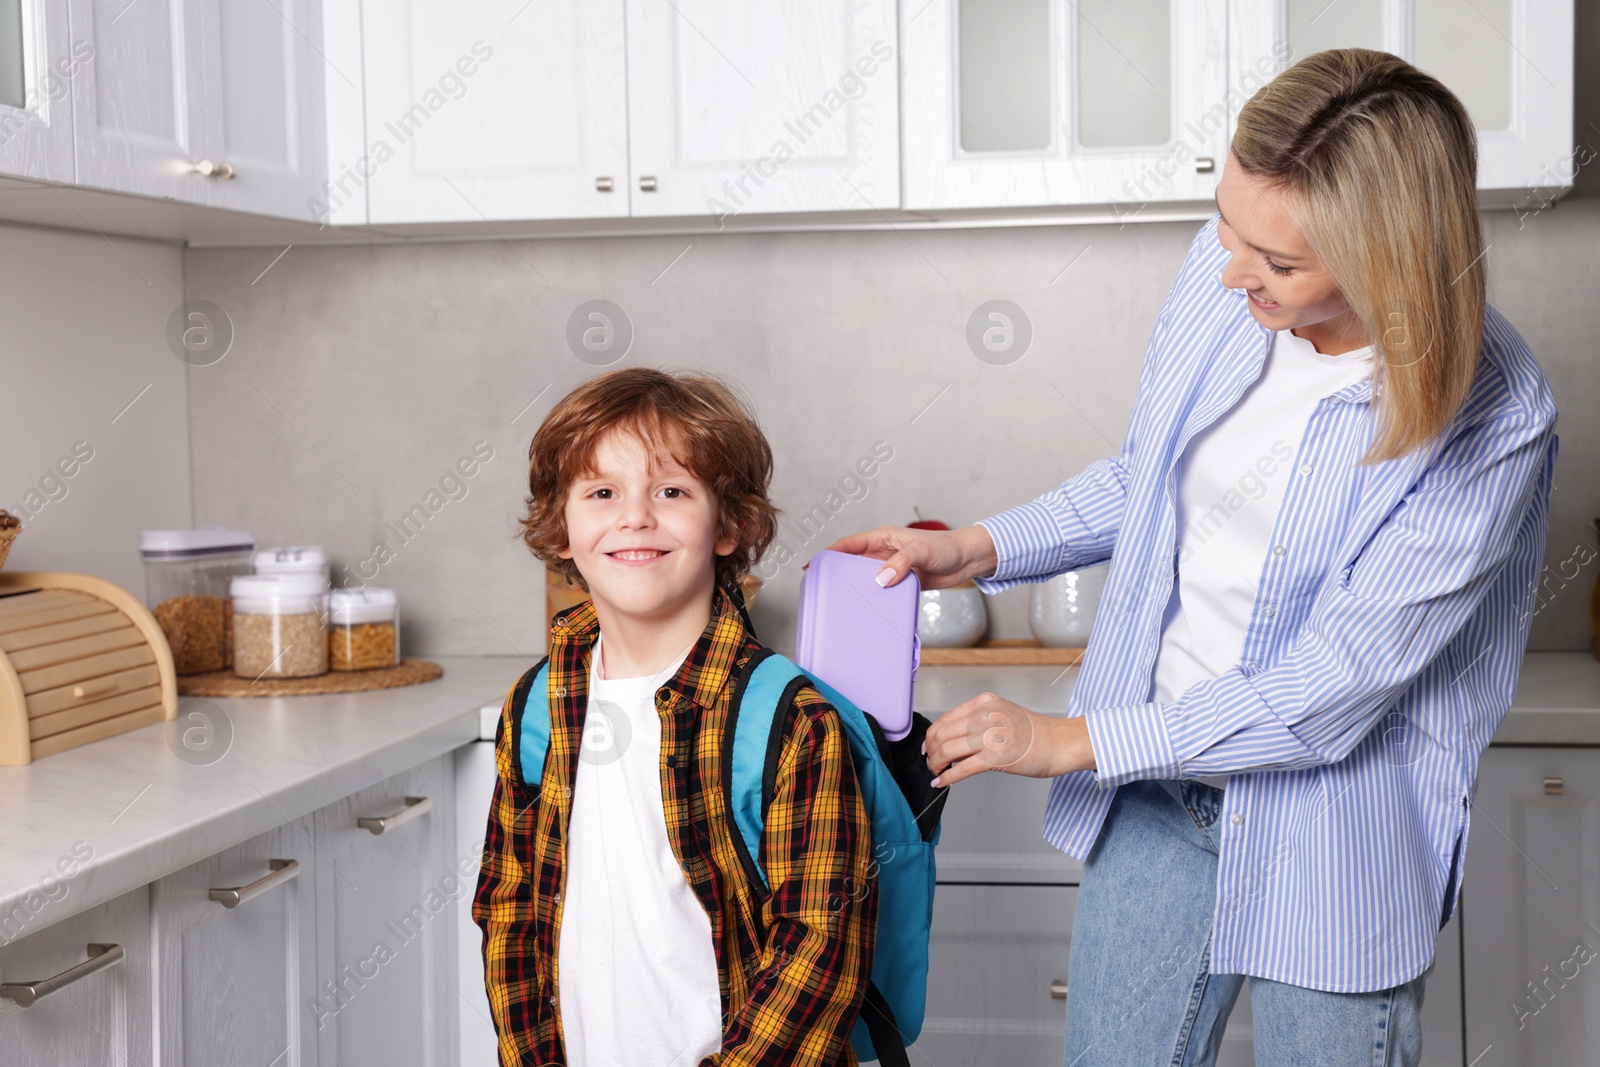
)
(1141, 988)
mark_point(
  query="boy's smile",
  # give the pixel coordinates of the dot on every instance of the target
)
(642, 531)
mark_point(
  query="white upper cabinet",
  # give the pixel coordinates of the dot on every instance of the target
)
(764, 108)
(216, 102)
(137, 106)
(491, 109)
(262, 108)
(38, 62)
(1510, 62)
(1020, 103)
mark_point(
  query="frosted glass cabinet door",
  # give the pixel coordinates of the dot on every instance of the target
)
(1510, 62)
(36, 68)
(763, 107)
(1013, 103)
(491, 109)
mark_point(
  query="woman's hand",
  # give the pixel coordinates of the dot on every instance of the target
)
(990, 733)
(941, 558)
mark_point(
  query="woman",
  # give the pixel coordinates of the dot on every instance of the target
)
(1324, 528)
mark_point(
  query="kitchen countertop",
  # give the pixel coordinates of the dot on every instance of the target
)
(148, 807)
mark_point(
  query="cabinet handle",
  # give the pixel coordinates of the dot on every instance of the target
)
(208, 168)
(1204, 164)
(603, 184)
(647, 185)
(414, 806)
(28, 994)
(282, 871)
(1554, 787)
(1058, 989)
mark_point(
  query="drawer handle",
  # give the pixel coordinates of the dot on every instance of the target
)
(1058, 989)
(28, 994)
(93, 688)
(414, 806)
(282, 871)
(603, 185)
(647, 184)
(1554, 787)
(1204, 165)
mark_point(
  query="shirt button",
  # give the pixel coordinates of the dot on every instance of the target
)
(1278, 550)
(1305, 468)
(552, 1002)
(567, 792)
(558, 898)
(672, 761)
(1238, 819)
(561, 690)
(1269, 611)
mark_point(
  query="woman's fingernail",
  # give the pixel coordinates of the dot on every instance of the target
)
(885, 576)
(924, 748)
(937, 783)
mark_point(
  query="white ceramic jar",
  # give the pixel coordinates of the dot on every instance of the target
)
(1061, 611)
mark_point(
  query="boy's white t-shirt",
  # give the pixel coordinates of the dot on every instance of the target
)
(637, 969)
(1231, 482)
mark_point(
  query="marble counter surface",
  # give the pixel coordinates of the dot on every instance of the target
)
(154, 800)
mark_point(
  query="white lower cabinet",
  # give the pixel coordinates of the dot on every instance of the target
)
(100, 1013)
(997, 975)
(387, 892)
(1531, 909)
(235, 939)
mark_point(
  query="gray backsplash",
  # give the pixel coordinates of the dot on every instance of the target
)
(358, 377)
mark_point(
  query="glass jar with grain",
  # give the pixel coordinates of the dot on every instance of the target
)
(186, 576)
(363, 629)
(279, 626)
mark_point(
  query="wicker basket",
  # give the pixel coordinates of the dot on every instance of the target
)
(8, 534)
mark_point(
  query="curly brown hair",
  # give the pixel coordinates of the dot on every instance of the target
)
(696, 418)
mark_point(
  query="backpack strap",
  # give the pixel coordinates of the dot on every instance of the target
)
(752, 747)
(530, 722)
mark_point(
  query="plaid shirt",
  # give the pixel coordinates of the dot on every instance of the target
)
(792, 963)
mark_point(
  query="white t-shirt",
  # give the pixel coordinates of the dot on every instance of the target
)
(1231, 481)
(637, 969)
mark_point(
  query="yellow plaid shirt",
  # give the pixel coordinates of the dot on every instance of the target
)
(793, 962)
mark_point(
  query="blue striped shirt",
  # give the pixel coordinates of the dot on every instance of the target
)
(1380, 656)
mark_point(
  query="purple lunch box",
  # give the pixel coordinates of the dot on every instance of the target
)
(859, 637)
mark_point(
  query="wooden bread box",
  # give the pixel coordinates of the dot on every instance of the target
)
(80, 659)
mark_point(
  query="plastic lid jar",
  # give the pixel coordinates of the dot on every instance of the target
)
(279, 626)
(295, 559)
(363, 629)
(186, 576)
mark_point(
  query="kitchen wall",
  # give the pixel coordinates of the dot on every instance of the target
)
(360, 376)
(94, 409)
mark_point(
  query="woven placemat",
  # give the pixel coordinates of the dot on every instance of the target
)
(228, 684)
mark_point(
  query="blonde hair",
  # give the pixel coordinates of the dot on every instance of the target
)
(1379, 162)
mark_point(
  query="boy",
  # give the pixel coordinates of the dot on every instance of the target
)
(622, 923)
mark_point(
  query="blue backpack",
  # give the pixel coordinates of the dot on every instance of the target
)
(897, 791)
